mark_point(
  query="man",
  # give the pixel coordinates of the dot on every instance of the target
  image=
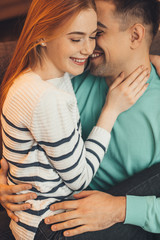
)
(126, 29)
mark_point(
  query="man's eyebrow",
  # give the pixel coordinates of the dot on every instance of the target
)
(80, 33)
(101, 25)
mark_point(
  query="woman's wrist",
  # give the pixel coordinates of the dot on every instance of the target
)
(107, 118)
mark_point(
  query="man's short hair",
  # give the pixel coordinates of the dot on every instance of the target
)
(145, 11)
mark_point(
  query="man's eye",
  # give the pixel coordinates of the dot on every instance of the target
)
(99, 33)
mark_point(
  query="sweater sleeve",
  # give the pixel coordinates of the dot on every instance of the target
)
(55, 128)
(143, 212)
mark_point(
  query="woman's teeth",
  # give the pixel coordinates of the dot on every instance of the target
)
(79, 60)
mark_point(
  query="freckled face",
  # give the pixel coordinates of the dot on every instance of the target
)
(70, 51)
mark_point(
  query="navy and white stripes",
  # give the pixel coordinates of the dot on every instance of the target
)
(42, 143)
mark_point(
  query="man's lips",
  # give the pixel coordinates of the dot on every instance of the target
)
(79, 61)
(96, 55)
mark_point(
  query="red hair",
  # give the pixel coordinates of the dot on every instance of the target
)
(46, 19)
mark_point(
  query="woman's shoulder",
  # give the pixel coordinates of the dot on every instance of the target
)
(29, 85)
(29, 80)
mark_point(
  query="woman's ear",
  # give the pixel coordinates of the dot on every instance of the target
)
(137, 34)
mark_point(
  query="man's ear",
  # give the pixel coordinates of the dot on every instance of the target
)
(137, 34)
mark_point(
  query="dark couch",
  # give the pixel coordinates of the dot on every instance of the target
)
(13, 8)
(7, 49)
(6, 52)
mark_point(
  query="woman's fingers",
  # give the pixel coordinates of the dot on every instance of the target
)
(118, 81)
(133, 76)
(140, 81)
(140, 93)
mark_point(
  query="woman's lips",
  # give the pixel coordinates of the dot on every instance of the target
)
(79, 61)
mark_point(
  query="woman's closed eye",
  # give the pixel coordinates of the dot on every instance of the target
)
(93, 37)
(75, 39)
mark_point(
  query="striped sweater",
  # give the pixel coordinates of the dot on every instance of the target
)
(43, 145)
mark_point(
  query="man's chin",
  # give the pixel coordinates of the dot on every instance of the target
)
(97, 70)
(93, 68)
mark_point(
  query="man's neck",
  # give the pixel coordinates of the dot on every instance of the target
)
(131, 66)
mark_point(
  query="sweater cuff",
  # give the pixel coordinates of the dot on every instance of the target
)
(136, 210)
(100, 135)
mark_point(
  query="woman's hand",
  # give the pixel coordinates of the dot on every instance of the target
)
(122, 94)
(8, 197)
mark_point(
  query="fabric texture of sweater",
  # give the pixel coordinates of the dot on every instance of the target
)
(43, 145)
(134, 145)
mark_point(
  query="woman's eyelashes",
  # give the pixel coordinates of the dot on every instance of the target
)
(75, 40)
(93, 37)
(81, 39)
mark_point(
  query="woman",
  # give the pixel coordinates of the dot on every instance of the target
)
(40, 119)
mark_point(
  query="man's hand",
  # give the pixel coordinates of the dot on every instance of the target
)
(8, 199)
(92, 211)
(155, 59)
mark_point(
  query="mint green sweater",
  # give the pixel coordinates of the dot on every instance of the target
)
(134, 145)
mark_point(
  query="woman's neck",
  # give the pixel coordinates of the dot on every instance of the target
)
(46, 70)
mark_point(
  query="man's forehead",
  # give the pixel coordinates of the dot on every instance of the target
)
(106, 13)
(105, 8)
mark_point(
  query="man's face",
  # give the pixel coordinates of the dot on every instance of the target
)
(112, 52)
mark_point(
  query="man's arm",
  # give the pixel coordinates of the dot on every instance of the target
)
(96, 210)
(92, 211)
(8, 197)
